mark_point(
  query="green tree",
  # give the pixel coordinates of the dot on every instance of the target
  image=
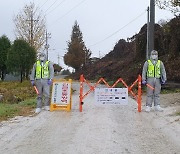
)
(21, 58)
(30, 26)
(77, 54)
(4, 47)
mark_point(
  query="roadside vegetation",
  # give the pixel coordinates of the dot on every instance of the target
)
(17, 99)
(170, 90)
(178, 113)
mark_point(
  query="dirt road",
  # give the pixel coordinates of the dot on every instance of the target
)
(96, 130)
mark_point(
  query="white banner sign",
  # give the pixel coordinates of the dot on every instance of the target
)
(112, 96)
(61, 93)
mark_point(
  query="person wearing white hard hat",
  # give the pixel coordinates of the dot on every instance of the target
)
(41, 77)
(154, 74)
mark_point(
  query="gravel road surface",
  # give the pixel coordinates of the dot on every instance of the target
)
(96, 130)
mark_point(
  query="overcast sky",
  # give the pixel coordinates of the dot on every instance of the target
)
(102, 22)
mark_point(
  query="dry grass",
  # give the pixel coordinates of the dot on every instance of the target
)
(15, 92)
(17, 99)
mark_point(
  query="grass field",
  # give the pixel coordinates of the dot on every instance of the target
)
(21, 109)
(17, 99)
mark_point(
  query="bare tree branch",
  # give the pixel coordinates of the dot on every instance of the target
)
(30, 26)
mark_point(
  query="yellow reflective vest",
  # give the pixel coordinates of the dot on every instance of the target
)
(154, 70)
(42, 72)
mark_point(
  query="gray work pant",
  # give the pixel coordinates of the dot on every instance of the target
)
(153, 95)
(44, 90)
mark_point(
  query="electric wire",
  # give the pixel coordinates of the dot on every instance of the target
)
(39, 7)
(68, 12)
(118, 29)
(51, 5)
(43, 4)
(56, 7)
(79, 5)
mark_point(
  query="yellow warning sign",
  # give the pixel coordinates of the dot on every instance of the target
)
(61, 95)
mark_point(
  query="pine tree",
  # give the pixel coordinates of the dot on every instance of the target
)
(77, 53)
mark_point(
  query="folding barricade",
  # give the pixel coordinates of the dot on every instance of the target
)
(92, 88)
(61, 95)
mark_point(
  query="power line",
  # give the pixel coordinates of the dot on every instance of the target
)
(56, 7)
(70, 11)
(43, 4)
(119, 29)
(51, 5)
(40, 6)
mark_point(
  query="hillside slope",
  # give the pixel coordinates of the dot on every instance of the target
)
(127, 58)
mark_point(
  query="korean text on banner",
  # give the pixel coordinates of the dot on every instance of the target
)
(61, 93)
(111, 96)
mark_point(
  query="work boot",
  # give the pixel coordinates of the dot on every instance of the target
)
(148, 109)
(46, 108)
(38, 110)
(158, 108)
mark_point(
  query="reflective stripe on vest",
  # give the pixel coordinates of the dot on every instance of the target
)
(42, 72)
(154, 70)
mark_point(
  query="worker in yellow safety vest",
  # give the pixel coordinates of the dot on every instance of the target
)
(153, 74)
(41, 77)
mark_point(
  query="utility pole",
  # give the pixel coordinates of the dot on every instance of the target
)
(47, 45)
(151, 25)
(32, 20)
(147, 50)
